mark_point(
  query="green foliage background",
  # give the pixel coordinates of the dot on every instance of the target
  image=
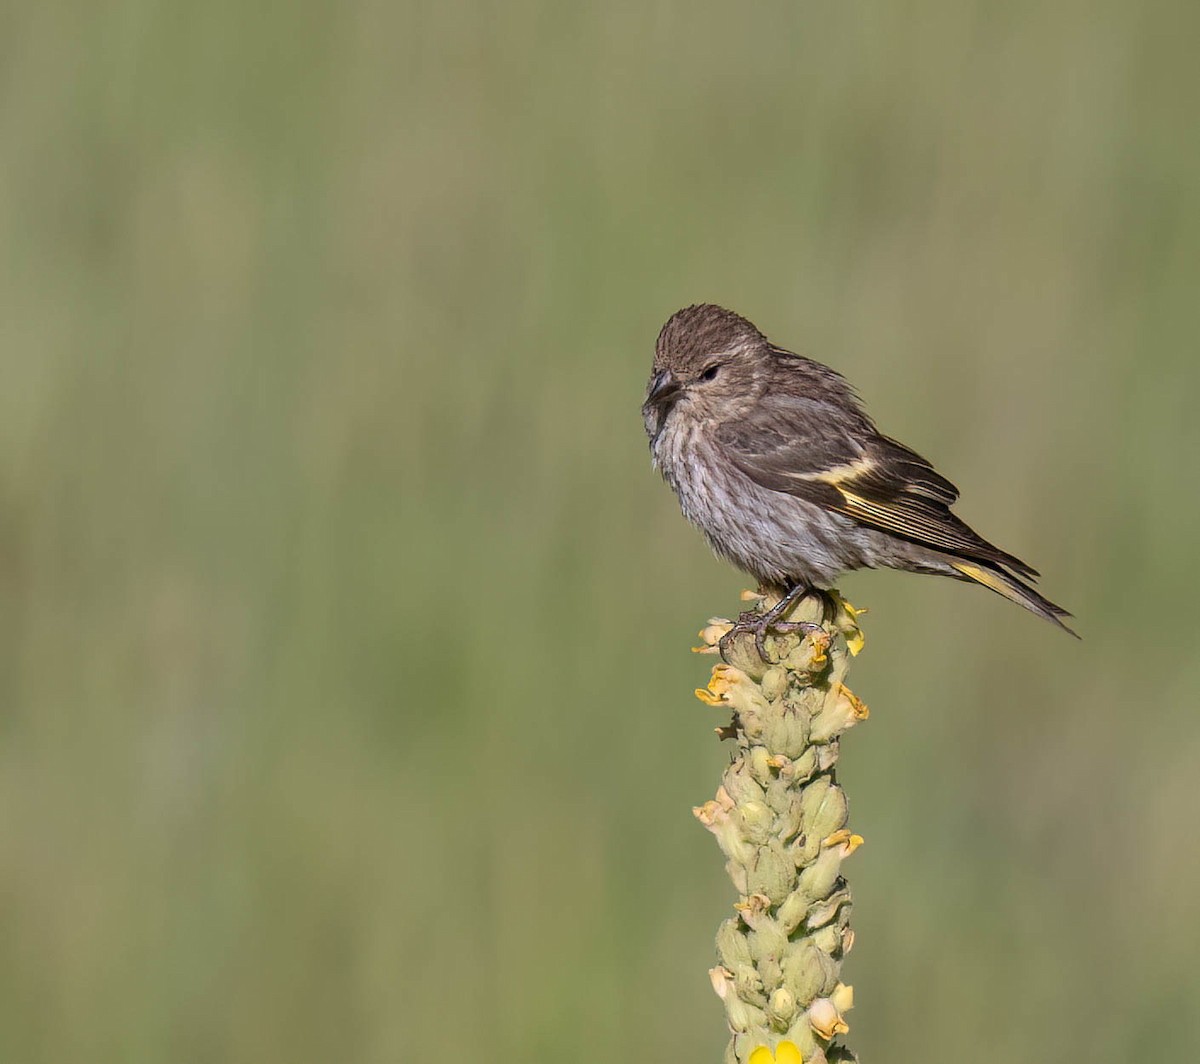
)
(343, 655)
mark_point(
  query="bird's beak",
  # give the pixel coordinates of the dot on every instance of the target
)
(663, 388)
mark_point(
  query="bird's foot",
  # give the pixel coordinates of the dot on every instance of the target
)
(758, 624)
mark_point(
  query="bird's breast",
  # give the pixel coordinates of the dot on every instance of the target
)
(776, 537)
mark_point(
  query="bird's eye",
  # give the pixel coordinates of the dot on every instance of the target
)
(709, 373)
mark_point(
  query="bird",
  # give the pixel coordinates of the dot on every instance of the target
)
(774, 459)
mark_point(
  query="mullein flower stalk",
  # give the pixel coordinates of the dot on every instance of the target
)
(780, 818)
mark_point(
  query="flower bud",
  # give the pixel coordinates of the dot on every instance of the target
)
(808, 972)
(748, 986)
(728, 834)
(771, 873)
(828, 939)
(712, 634)
(792, 911)
(740, 784)
(842, 997)
(742, 1016)
(739, 650)
(758, 762)
(774, 683)
(810, 655)
(825, 1019)
(805, 765)
(781, 1008)
(818, 879)
(824, 807)
(732, 947)
(755, 821)
(787, 733)
(754, 911)
(768, 940)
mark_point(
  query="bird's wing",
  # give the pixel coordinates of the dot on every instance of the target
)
(831, 454)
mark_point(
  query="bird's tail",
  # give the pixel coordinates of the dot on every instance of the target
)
(995, 578)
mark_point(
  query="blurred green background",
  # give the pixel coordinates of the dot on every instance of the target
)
(343, 656)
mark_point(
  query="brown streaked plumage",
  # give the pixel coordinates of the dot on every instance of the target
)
(775, 461)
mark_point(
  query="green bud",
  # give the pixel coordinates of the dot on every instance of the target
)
(772, 873)
(791, 818)
(742, 1016)
(740, 784)
(806, 849)
(758, 763)
(781, 645)
(787, 733)
(771, 971)
(740, 652)
(825, 808)
(808, 972)
(781, 1008)
(818, 879)
(828, 939)
(748, 985)
(792, 911)
(752, 726)
(756, 820)
(805, 765)
(809, 657)
(769, 940)
(774, 683)
(732, 948)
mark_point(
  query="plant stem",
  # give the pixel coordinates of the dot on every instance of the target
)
(780, 818)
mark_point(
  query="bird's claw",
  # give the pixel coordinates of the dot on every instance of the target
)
(758, 625)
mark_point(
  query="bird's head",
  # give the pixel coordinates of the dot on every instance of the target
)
(706, 363)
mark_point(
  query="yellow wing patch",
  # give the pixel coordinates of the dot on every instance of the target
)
(989, 579)
(840, 473)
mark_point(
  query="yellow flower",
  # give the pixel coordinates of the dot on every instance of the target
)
(858, 708)
(785, 1053)
(724, 679)
(855, 639)
(843, 839)
(819, 642)
(710, 635)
